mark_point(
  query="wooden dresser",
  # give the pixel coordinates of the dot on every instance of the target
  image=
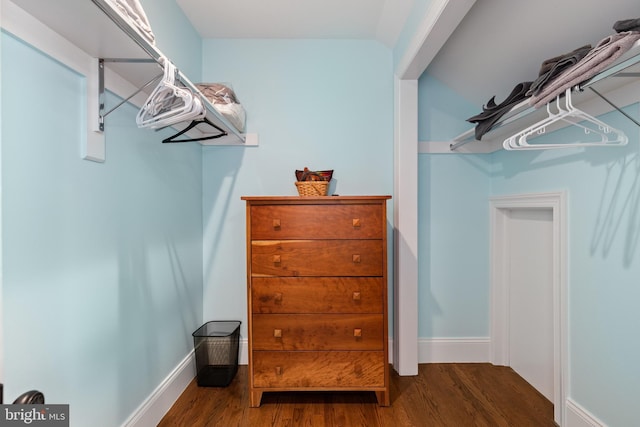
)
(317, 294)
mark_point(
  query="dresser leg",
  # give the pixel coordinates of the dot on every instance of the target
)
(254, 399)
(383, 398)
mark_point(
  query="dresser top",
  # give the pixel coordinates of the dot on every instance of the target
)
(314, 199)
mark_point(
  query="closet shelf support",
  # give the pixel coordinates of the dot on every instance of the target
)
(101, 113)
(614, 106)
(457, 145)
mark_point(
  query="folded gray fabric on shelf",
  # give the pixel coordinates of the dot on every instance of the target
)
(555, 66)
(548, 64)
(492, 112)
(600, 57)
(627, 25)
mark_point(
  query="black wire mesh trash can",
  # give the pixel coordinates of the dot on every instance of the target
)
(216, 345)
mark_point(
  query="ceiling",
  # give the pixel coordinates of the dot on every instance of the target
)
(298, 19)
(497, 45)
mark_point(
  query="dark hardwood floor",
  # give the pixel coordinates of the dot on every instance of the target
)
(456, 395)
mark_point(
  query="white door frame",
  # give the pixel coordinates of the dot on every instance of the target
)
(500, 207)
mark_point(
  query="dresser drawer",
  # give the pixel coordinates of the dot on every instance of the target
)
(316, 222)
(317, 258)
(317, 295)
(340, 369)
(317, 332)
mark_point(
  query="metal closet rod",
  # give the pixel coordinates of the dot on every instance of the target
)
(508, 120)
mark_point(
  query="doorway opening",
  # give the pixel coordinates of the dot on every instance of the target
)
(529, 291)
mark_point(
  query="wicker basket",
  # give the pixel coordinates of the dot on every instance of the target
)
(312, 188)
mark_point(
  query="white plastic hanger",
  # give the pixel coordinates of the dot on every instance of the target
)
(566, 113)
(168, 103)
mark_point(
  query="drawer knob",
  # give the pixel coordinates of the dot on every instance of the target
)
(356, 259)
(356, 222)
(356, 296)
(357, 332)
(278, 370)
(278, 298)
(277, 333)
(276, 224)
(276, 259)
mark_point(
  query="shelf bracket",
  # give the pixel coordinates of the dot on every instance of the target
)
(93, 148)
(459, 144)
(614, 106)
(101, 96)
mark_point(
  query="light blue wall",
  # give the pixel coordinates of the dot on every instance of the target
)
(321, 104)
(453, 235)
(102, 263)
(441, 111)
(603, 187)
(453, 270)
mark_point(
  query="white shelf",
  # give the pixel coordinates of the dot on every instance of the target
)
(99, 30)
(522, 115)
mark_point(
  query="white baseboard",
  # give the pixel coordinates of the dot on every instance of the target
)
(151, 411)
(243, 356)
(454, 350)
(577, 416)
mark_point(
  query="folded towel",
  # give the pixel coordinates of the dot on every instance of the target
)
(489, 117)
(550, 63)
(556, 67)
(134, 11)
(600, 57)
(518, 93)
(627, 25)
